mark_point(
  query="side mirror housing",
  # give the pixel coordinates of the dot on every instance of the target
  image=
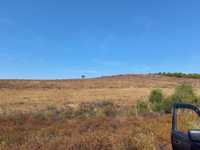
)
(194, 135)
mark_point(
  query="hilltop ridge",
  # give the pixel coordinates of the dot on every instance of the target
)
(116, 81)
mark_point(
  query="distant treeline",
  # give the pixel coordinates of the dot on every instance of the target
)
(180, 75)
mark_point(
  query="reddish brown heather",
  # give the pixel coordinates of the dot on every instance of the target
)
(26, 125)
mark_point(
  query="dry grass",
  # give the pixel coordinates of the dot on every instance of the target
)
(51, 115)
(36, 95)
(31, 132)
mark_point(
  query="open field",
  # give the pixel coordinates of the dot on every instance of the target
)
(36, 95)
(70, 114)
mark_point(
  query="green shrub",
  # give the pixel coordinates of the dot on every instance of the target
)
(167, 105)
(198, 101)
(157, 107)
(156, 99)
(157, 103)
(142, 106)
(156, 96)
(184, 93)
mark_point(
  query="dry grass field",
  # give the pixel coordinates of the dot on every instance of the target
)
(57, 114)
(126, 90)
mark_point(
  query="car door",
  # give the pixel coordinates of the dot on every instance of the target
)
(180, 139)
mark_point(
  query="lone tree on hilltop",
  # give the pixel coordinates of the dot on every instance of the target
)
(82, 76)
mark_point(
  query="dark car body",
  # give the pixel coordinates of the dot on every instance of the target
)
(180, 140)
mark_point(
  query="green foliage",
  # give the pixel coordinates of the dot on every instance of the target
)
(167, 105)
(156, 100)
(142, 106)
(157, 107)
(184, 93)
(197, 102)
(156, 96)
(180, 75)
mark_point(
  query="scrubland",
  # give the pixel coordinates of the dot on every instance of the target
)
(87, 114)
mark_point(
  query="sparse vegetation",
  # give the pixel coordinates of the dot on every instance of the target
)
(85, 130)
(158, 103)
(184, 93)
(90, 114)
(142, 106)
(98, 108)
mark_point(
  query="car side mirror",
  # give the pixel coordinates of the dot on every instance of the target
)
(194, 135)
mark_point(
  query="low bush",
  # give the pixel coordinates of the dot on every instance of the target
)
(158, 103)
(167, 105)
(98, 108)
(156, 96)
(184, 93)
(142, 106)
(121, 133)
(156, 100)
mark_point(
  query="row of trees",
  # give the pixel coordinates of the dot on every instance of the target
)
(180, 75)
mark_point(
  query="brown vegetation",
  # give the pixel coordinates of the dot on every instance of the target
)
(84, 114)
(34, 95)
(82, 129)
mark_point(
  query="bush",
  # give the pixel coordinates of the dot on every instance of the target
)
(156, 99)
(156, 96)
(157, 107)
(142, 106)
(184, 93)
(167, 105)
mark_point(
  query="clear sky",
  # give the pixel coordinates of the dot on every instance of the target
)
(54, 39)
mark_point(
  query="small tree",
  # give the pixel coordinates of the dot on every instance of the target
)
(156, 99)
(156, 96)
(82, 76)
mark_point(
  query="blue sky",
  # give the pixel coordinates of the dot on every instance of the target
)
(54, 39)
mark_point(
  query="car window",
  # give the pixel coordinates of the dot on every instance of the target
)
(187, 119)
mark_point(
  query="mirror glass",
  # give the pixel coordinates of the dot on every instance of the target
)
(187, 120)
(195, 135)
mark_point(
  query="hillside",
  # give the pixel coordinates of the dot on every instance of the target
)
(84, 114)
(28, 95)
(118, 81)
